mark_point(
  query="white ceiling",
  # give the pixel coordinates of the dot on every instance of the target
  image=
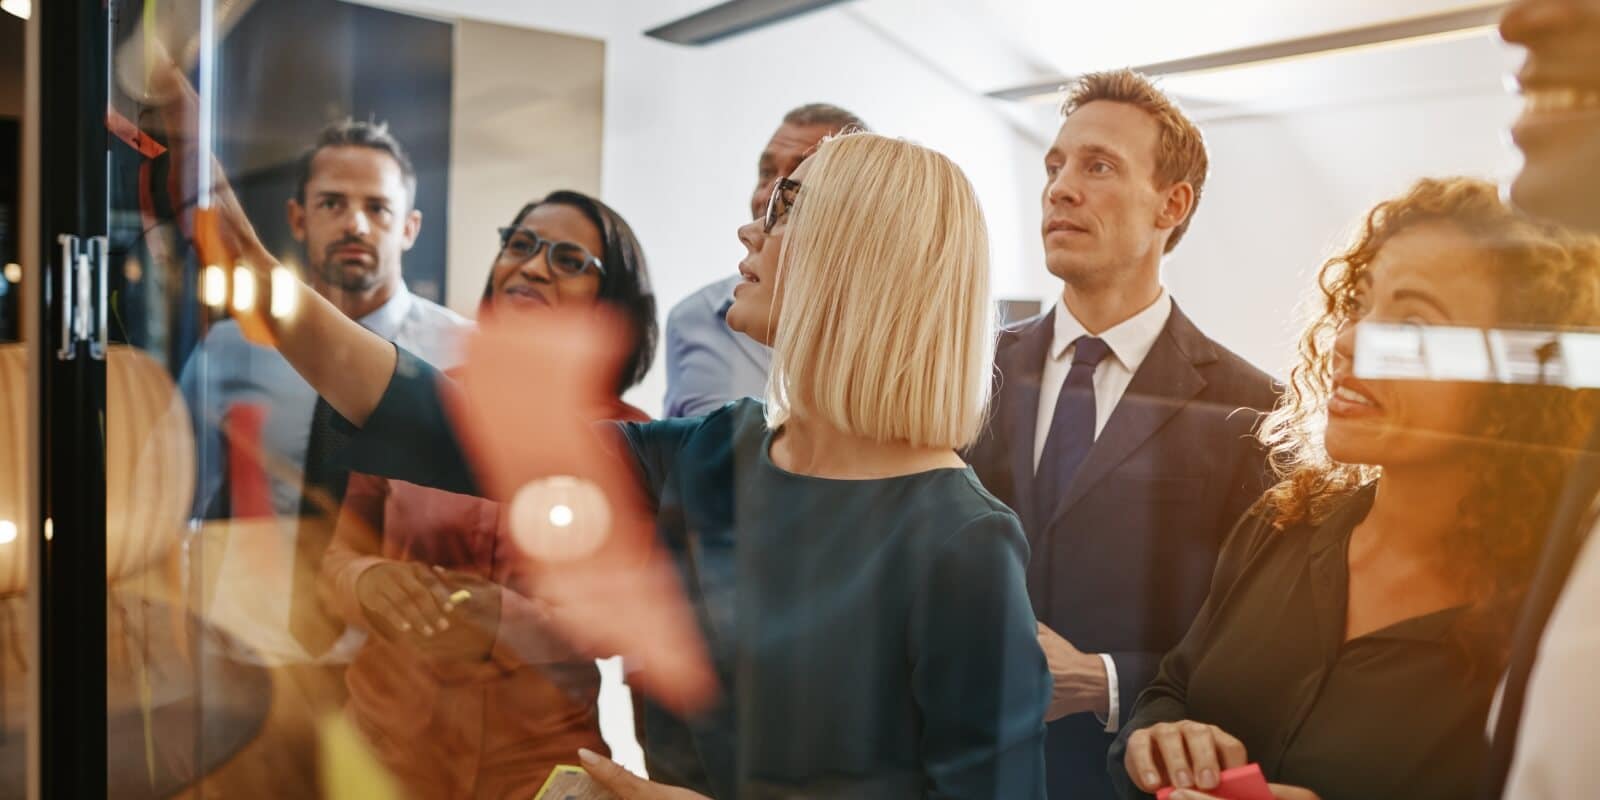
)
(986, 45)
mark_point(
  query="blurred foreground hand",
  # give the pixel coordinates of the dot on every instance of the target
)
(536, 390)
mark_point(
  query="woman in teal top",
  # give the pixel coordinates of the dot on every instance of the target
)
(862, 597)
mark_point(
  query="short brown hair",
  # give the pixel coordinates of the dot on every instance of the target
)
(1181, 151)
(350, 133)
(837, 118)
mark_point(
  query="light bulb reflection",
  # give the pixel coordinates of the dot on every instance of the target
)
(8, 531)
(244, 290)
(214, 286)
(284, 284)
(560, 518)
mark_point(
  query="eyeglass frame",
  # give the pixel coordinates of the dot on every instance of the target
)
(540, 244)
(770, 219)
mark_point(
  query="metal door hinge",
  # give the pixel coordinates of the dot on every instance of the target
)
(83, 295)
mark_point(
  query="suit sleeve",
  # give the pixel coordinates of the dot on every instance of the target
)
(698, 370)
(978, 674)
(1248, 481)
(1165, 699)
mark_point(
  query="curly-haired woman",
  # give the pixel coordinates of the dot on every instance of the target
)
(1359, 615)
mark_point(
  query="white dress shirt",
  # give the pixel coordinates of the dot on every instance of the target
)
(1129, 341)
(1555, 747)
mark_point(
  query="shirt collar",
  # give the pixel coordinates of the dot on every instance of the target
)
(727, 296)
(385, 320)
(1129, 340)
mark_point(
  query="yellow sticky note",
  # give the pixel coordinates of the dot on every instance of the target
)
(567, 782)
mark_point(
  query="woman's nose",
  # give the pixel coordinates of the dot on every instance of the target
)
(536, 268)
(751, 235)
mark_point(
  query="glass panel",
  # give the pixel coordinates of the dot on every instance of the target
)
(18, 476)
(239, 651)
(183, 712)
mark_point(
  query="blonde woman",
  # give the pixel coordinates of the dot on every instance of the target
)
(861, 595)
(1359, 616)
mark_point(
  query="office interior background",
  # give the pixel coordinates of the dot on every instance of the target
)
(1312, 110)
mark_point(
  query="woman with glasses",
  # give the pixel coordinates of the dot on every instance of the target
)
(458, 688)
(861, 597)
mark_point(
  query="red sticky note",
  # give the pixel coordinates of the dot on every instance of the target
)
(1239, 783)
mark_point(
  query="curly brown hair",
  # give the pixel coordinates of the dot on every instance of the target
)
(1524, 436)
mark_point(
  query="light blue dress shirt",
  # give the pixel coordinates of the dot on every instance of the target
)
(708, 363)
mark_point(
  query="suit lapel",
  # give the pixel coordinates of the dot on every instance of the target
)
(1020, 367)
(1164, 384)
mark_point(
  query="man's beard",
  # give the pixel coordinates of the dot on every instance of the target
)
(332, 272)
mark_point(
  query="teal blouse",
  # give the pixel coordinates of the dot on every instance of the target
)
(874, 638)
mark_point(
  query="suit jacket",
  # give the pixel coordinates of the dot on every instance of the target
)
(1124, 564)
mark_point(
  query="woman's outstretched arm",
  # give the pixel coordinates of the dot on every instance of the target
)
(347, 364)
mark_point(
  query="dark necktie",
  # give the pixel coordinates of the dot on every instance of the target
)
(1071, 433)
(322, 489)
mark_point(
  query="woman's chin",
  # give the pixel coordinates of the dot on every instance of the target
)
(738, 324)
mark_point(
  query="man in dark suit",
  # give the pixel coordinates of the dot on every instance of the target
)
(1542, 747)
(1121, 434)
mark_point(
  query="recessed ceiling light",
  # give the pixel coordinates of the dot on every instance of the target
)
(732, 18)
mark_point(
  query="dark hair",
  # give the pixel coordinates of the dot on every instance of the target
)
(349, 133)
(625, 284)
(825, 114)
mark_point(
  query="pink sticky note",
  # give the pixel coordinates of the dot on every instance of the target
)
(1239, 783)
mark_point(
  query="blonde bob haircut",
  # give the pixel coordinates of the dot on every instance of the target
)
(883, 285)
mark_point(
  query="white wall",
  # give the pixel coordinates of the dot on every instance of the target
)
(684, 127)
(1286, 191)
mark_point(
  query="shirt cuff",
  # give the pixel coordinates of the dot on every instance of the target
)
(1113, 718)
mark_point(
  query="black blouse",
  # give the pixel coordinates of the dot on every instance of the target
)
(1396, 713)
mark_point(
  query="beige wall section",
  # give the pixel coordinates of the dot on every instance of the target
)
(528, 119)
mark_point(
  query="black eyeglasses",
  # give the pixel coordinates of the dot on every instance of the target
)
(566, 259)
(779, 203)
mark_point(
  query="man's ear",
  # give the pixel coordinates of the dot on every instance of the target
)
(413, 227)
(1177, 204)
(297, 220)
